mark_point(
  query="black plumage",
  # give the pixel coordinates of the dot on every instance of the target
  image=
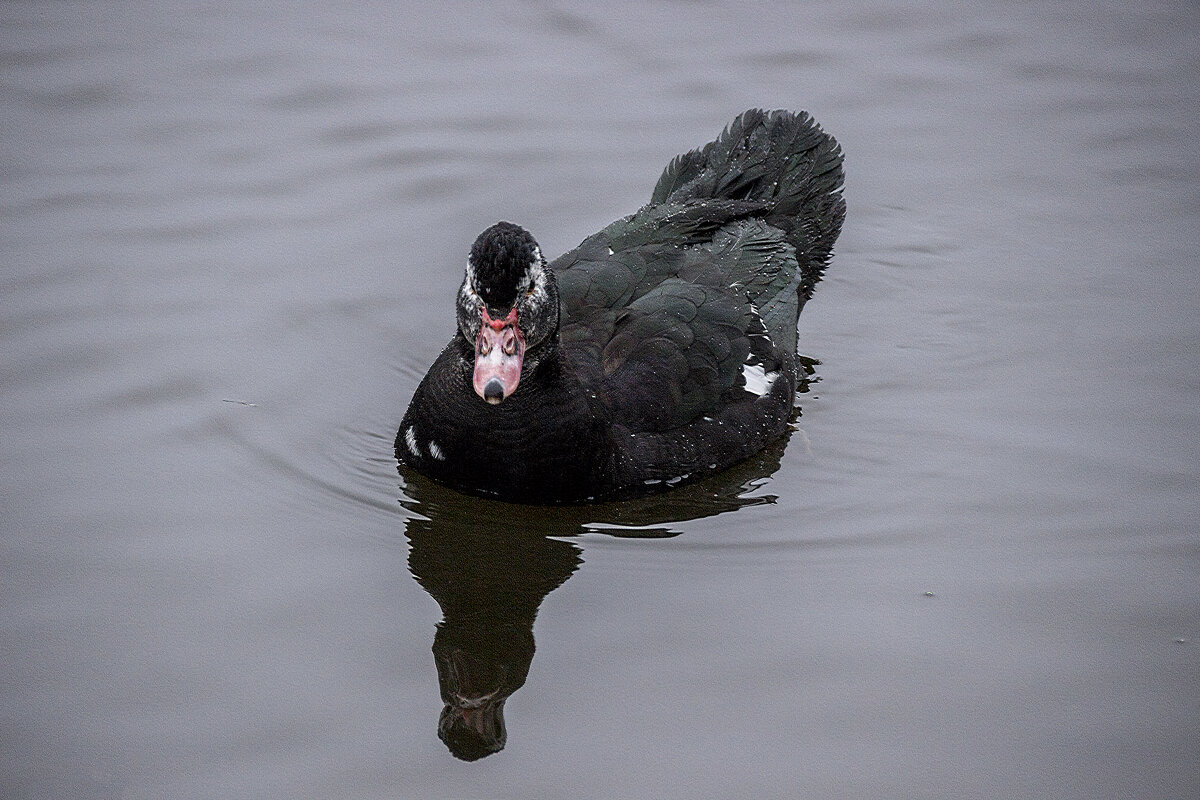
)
(498, 258)
(661, 349)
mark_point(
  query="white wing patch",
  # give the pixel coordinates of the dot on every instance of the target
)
(758, 380)
(435, 451)
(410, 439)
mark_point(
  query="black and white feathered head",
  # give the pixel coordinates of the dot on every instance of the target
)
(507, 306)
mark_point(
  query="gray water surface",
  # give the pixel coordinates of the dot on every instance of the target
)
(231, 238)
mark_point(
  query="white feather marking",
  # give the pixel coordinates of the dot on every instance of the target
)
(467, 294)
(758, 380)
(410, 439)
(435, 451)
(534, 278)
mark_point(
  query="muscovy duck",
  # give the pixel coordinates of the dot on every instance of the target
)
(661, 349)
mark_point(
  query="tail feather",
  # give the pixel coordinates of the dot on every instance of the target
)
(778, 158)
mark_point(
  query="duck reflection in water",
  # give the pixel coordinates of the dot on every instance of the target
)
(489, 575)
(489, 564)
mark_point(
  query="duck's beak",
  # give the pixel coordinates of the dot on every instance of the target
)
(499, 354)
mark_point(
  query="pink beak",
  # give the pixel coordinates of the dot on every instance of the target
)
(499, 354)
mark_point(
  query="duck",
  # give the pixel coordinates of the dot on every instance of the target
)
(660, 350)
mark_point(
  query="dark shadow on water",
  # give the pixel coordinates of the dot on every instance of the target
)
(489, 564)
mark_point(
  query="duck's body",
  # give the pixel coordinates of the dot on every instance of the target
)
(661, 349)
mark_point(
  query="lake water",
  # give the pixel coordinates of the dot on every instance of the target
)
(231, 238)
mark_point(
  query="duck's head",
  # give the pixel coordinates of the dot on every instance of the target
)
(508, 307)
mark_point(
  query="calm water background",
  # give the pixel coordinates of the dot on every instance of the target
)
(271, 204)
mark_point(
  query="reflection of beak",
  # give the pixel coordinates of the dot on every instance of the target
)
(474, 733)
(472, 723)
(499, 354)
